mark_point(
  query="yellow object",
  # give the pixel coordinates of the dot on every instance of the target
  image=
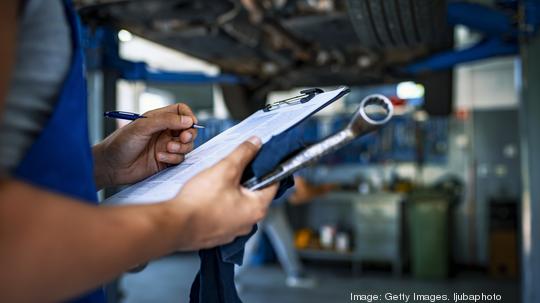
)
(303, 238)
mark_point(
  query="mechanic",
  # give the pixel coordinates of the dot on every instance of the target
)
(55, 242)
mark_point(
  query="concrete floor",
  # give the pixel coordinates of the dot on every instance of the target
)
(168, 280)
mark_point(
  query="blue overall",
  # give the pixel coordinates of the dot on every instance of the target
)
(60, 159)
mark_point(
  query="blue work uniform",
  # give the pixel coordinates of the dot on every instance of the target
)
(60, 159)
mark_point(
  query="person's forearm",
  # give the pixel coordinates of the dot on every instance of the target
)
(53, 247)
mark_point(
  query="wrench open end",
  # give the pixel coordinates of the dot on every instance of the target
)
(374, 110)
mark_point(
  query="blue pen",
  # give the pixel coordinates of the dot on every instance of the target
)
(133, 116)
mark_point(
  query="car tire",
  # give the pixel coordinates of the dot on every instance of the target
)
(384, 24)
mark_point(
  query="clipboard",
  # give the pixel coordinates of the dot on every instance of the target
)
(266, 123)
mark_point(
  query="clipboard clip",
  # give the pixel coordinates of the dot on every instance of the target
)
(305, 96)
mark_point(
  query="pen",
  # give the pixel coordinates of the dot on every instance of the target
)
(133, 116)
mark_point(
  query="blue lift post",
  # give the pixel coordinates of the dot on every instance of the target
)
(501, 37)
(99, 44)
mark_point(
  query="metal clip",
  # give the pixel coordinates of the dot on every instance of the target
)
(305, 96)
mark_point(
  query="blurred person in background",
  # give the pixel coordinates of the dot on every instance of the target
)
(280, 234)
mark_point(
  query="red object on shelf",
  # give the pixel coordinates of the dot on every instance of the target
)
(396, 101)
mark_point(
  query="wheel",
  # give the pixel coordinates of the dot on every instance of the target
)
(399, 23)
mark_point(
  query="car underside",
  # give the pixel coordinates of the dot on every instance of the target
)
(281, 44)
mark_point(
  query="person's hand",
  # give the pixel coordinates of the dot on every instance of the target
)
(305, 192)
(218, 208)
(145, 146)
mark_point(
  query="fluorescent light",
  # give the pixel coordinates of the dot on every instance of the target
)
(410, 90)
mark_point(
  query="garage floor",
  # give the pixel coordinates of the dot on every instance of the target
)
(168, 280)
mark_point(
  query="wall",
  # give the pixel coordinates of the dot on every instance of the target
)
(496, 166)
(488, 84)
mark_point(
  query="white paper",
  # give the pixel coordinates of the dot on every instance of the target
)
(167, 183)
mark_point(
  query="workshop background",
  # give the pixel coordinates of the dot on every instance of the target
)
(442, 200)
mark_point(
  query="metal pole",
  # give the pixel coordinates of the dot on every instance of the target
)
(530, 161)
(95, 106)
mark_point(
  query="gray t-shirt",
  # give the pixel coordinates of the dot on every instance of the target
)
(43, 59)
